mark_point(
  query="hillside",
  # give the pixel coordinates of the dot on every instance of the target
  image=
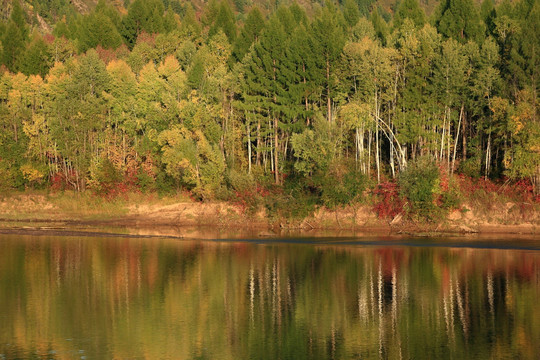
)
(285, 109)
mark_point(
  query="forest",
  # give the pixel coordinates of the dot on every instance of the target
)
(245, 100)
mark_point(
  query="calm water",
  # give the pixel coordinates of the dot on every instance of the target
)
(121, 298)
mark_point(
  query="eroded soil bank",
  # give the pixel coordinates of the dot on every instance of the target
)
(37, 212)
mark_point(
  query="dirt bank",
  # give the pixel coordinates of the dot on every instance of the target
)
(36, 210)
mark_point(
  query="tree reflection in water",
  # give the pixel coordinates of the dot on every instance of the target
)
(133, 298)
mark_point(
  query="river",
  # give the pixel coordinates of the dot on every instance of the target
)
(104, 297)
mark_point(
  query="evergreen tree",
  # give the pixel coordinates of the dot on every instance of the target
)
(487, 13)
(14, 38)
(225, 22)
(380, 26)
(62, 29)
(98, 29)
(36, 58)
(18, 17)
(410, 9)
(189, 24)
(249, 34)
(169, 20)
(460, 20)
(262, 88)
(143, 15)
(327, 40)
(351, 12)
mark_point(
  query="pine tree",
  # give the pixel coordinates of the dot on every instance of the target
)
(460, 20)
(351, 12)
(261, 88)
(14, 38)
(249, 34)
(327, 40)
(380, 26)
(143, 15)
(37, 58)
(225, 22)
(409, 9)
(98, 29)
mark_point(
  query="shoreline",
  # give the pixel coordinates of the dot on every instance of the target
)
(151, 228)
(34, 212)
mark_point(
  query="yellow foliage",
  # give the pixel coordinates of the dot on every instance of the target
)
(31, 174)
(518, 125)
(355, 114)
(169, 66)
(120, 70)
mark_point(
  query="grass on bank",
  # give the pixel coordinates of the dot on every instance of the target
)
(73, 205)
(424, 193)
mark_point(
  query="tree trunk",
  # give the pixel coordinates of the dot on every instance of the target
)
(276, 158)
(328, 103)
(456, 141)
(258, 158)
(464, 135)
(249, 145)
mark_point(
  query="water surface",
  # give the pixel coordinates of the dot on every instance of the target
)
(157, 298)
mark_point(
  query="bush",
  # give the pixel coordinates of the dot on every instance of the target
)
(340, 187)
(294, 204)
(419, 183)
(10, 178)
(145, 182)
(105, 177)
(244, 192)
(390, 203)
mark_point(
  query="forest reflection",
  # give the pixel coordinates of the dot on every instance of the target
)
(67, 298)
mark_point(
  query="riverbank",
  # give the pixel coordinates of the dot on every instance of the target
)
(26, 211)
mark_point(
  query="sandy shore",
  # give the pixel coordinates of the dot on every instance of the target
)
(30, 213)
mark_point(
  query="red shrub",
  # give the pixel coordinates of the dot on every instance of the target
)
(61, 181)
(249, 198)
(389, 202)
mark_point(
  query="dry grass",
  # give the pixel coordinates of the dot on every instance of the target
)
(42, 205)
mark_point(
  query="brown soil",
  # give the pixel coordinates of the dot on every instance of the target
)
(360, 220)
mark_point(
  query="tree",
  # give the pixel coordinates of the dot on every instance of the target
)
(143, 15)
(78, 123)
(327, 40)
(225, 22)
(98, 29)
(351, 12)
(409, 9)
(14, 37)
(37, 57)
(261, 88)
(459, 19)
(192, 160)
(249, 34)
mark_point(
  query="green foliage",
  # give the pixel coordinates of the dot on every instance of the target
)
(341, 186)
(98, 29)
(351, 12)
(10, 177)
(225, 22)
(419, 183)
(37, 58)
(303, 96)
(315, 149)
(143, 16)
(459, 19)
(248, 35)
(193, 161)
(14, 37)
(410, 9)
(104, 176)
